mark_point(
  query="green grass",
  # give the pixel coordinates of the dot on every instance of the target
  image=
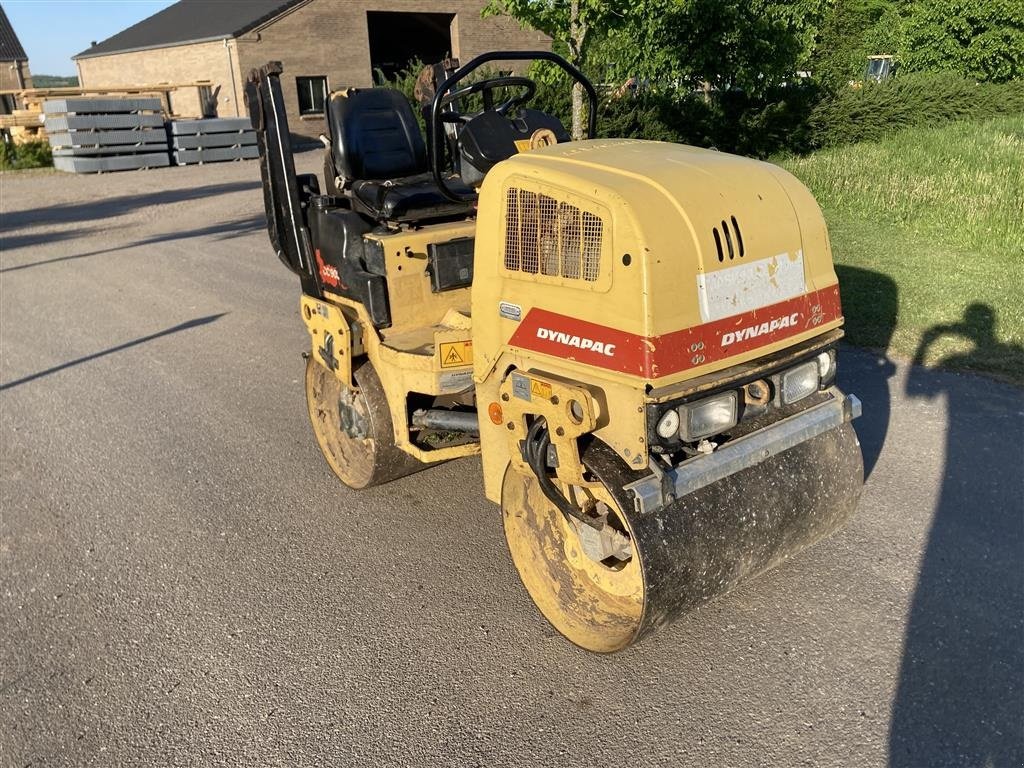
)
(927, 230)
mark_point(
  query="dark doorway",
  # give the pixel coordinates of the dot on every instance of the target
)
(399, 39)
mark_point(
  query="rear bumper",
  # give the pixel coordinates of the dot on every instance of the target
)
(664, 486)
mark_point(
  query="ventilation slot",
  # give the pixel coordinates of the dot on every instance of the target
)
(544, 236)
(728, 240)
(739, 236)
(734, 247)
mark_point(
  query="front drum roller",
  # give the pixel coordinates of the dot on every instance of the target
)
(354, 428)
(682, 555)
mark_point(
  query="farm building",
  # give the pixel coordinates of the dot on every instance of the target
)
(322, 43)
(14, 74)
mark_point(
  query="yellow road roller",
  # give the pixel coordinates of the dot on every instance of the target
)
(638, 338)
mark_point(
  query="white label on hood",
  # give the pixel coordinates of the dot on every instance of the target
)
(751, 285)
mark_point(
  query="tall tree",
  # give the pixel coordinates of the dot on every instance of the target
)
(982, 39)
(720, 44)
(574, 23)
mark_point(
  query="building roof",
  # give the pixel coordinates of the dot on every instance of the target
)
(10, 46)
(191, 21)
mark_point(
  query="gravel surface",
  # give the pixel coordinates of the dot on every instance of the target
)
(184, 582)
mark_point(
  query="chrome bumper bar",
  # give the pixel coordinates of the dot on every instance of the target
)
(665, 485)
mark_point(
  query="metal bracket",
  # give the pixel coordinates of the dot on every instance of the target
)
(666, 485)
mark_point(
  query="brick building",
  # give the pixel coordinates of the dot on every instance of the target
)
(332, 43)
(14, 74)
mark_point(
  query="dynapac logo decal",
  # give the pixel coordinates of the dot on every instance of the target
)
(753, 331)
(328, 272)
(655, 357)
(579, 342)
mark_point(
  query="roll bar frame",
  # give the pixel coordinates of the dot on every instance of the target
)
(438, 139)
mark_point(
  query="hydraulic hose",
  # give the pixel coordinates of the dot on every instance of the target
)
(535, 449)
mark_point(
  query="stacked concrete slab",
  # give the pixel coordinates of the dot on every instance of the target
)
(213, 140)
(90, 135)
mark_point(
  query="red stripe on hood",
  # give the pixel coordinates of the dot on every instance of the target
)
(654, 357)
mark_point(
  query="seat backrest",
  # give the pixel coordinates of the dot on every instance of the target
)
(374, 135)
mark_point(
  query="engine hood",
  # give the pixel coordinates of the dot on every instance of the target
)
(710, 255)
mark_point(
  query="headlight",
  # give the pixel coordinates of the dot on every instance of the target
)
(668, 425)
(826, 365)
(708, 417)
(800, 382)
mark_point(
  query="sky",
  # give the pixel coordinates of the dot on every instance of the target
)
(52, 31)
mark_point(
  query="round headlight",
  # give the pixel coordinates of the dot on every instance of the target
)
(825, 365)
(668, 425)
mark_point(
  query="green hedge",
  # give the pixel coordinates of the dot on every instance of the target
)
(31, 154)
(875, 111)
(797, 118)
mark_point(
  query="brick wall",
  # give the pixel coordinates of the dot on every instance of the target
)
(324, 37)
(320, 37)
(9, 75)
(216, 61)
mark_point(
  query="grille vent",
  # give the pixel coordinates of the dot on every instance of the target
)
(548, 237)
(729, 242)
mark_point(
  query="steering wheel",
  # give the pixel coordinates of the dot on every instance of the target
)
(445, 94)
(487, 87)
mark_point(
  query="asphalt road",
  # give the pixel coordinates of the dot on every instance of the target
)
(185, 583)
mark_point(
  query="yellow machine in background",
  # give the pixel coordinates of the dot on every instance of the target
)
(639, 339)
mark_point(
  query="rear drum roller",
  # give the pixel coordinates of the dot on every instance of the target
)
(354, 429)
(671, 560)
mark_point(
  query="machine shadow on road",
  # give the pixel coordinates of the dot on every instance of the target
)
(105, 208)
(871, 383)
(199, 321)
(960, 696)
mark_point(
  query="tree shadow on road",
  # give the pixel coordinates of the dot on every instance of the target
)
(225, 230)
(105, 208)
(199, 321)
(10, 243)
(960, 697)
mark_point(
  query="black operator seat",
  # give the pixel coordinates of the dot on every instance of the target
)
(379, 155)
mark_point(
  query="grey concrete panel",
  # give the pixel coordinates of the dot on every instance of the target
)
(120, 163)
(100, 106)
(56, 123)
(190, 156)
(106, 138)
(211, 125)
(112, 151)
(208, 140)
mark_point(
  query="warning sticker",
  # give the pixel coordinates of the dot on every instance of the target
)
(455, 354)
(540, 389)
(526, 388)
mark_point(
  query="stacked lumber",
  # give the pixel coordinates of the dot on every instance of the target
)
(91, 135)
(213, 140)
(23, 125)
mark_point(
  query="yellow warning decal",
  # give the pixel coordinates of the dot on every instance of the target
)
(455, 354)
(540, 389)
(523, 145)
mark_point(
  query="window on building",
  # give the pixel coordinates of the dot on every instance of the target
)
(311, 94)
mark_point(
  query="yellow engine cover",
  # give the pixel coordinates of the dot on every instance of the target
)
(646, 260)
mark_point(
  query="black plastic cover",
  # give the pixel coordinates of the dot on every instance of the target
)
(489, 137)
(450, 264)
(339, 251)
